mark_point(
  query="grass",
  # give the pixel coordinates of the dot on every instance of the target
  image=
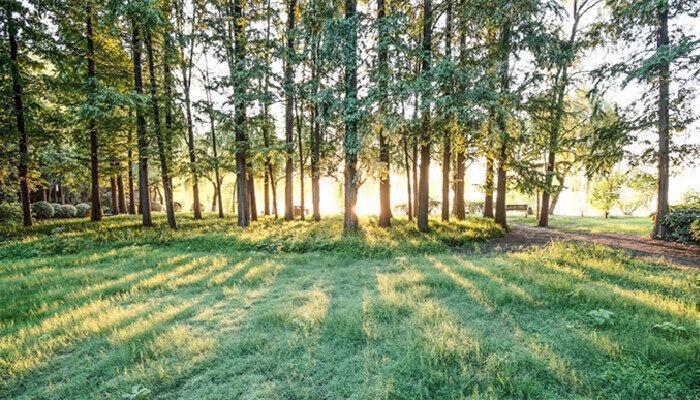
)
(180, 319)
(640, 226)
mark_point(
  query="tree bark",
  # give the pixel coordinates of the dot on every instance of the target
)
(446, 137)
(130, 172)
(186, 70)
(459, 206)
(142, 139)
(120, 191)
(488, 188)
(96, 209)
(504, 47)
(301, 156)
(115, 196)
(351, 143)
(251, 193)
(660, 230)
(243, 209)
(214, 145)
(384, 155)
(18, 105)
(409, 192)
(423, 186)
(289, 116)
(414, 171)
(160, 140)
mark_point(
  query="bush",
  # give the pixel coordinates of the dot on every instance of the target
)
(42, 210)
(65, 211)
(82, 210)
(201, 207)
(156, 207)
(695, 230)
(679, 220)
(177, 206)
(56, 208)
(10, 213)
(474, 207)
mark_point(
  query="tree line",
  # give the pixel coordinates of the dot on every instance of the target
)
(105, 90)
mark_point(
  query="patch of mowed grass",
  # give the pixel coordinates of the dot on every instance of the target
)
(640, 226)
(216, 322)
(72, 236)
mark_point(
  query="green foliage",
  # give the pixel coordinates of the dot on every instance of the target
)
(679, 220)
(65, 211)
(56, 208)
(638, 190)
(691, 198)
(10, 213)
(82, 210)
(695, 230)
(137, 392)
(601, 317)
(606, 192)
(42, 210)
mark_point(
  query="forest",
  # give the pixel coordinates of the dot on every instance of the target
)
(383, 199)
(110, 102)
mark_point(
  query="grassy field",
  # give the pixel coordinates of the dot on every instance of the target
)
(622, 225)
(302, 312)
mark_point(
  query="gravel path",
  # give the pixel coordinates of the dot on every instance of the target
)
(524, 236)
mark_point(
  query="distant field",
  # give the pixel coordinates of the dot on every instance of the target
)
(622, 225)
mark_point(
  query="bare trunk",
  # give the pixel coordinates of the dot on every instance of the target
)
(120, 191)
(488, 188)
(384, 155)
(113, 193)
(459, 207)
(243, 209)
(130, 174)
(301, 157)
(96, 209)
(660, 230)
(289, 116)
(504, 46)
(423, 186)
(18, 106)
(251, 193)
(351, 143)
(142, 139)
(409, 209)
(446, 137)
(160, 140)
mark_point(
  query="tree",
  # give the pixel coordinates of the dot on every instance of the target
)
(351, 144)
(423, 198)
(10, 8)
(141, 134)
(646, 23)
(606, 193)
(289, 114)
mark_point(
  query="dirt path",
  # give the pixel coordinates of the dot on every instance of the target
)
(524, 236)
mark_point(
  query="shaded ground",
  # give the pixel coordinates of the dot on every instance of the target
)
(524, 236)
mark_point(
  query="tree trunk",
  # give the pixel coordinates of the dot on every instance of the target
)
(266, 191)
(423, 186)
(251, 193)
(142, 139)
(446, 137)
(160, 140)
(130, 172)
(213, 199)
(120, 191)
(301, 156)
(504, 47)
(488, 188)
(243, 209)
(289, 115)
(351, 143)
(409, 192)
(315, 142)
(414, 171)
(459, 206)
(384, 155)
(214, 146)
(96, 209)
(186, 70)
(115, 196)
(18, 106)
(660, 230)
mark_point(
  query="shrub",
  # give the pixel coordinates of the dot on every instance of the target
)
(42, 210)
(695, 230)
(106, 210)
(56, 208)
(201, 207)
(177, 206)
(157, 207)
(679, 220)
(65, 211)
(474, 207)
(82, 210)
(10, 213)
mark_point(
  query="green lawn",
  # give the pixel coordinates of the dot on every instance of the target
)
(622, 225)
(301, 312)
